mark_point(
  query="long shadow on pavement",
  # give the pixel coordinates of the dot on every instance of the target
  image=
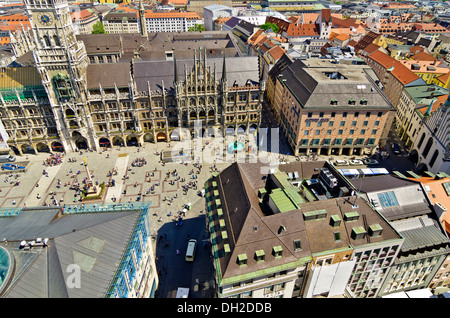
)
(174, 271)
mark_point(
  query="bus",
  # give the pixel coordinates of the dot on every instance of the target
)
(190, 252)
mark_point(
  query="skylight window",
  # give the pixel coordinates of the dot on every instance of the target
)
(387, 199)
(334, 75)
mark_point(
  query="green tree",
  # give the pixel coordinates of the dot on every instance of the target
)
(98, 28)
(197, 27)
(267, 26)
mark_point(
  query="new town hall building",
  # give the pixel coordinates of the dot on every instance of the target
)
(91, 91)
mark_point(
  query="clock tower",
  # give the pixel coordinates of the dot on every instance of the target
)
(61, 60)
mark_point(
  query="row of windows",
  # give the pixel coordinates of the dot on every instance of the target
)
(318, 132)
(344, 114)
(337, 142)
(343, 122)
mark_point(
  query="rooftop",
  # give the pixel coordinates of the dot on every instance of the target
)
(318, 83)
(94, 241)
(289, 237)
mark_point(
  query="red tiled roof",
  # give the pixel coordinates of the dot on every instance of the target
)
(416, 49)
(423, 56)
(276, 52)
(308, 29)
(397, 69)
(365, 41)
(162, 15)
(436, 104)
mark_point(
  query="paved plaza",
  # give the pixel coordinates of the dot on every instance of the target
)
(138, 175)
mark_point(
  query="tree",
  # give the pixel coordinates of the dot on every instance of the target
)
(197, 27)
(267, 26)
(98, 28)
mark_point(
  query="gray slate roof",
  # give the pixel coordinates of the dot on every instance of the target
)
(93, 241)
(309, 82)
(239, 69)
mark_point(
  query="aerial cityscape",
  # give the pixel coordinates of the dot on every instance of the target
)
(202, 149)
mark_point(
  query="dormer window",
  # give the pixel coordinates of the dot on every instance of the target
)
(277, 251)
(242, 259)
(260, 255)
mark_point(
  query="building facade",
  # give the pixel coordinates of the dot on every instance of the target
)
(328, 109)
(74, 105)
(171, 21)
(121, 22)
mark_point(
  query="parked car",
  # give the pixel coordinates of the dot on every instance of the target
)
(7, 158)
(341, 163)
(396, 149)
(356, 162)
(370, 161)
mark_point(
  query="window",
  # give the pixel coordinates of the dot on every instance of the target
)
(368, 114)
(337, 236)
(351, 216)
(309, 115)
(297, 245)
(377, 123)
(365, 123)
(277, 251)
(358, 233)
(343, 123)
(387, 199)
(375, 230)
(306, 132)
(242, 259)
(354, 123)
(259, 255)
(330, 123)
(321, 114)
(305, 142)
(335, 220)
(333, 114)
(344, 114)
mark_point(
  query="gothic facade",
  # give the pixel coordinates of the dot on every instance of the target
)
(76, 105)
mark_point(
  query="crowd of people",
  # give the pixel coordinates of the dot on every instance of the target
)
(53, 160)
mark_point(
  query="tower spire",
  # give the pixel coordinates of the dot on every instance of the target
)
(175, 72)
(142, 20)
(224, 70)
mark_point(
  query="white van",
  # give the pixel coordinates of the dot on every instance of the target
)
(190, 252)
(182, 292)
